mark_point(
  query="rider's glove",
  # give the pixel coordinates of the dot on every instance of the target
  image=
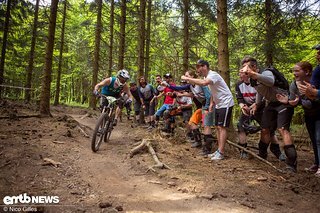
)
(95, 92)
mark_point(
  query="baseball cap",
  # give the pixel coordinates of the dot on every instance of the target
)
(317, 47)
(168, 75)
(201, 62)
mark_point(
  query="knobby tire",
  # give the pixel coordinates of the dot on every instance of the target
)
(98, 136)
(109, 126)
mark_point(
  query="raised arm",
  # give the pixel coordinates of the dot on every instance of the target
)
(201, 82)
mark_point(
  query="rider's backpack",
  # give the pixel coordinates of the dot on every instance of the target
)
(279, 79)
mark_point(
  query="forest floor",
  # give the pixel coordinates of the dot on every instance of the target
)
(52, 157)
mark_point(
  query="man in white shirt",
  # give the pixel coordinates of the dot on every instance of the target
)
(221, 99)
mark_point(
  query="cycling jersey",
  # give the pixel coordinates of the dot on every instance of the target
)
(113, 89)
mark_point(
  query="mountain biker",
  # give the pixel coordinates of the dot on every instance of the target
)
(114, 86)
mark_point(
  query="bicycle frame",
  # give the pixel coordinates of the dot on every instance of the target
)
(104, 124)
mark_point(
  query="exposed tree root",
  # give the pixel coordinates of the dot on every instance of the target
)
(254, 155)
(146, 143)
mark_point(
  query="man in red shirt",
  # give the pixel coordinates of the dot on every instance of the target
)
(168, 96)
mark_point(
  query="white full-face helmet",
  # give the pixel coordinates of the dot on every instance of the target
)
(124, 74)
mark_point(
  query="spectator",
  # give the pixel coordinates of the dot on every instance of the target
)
(302, 73)
(168, 97)
(312, 89)
(221, 100)
(202, 94)
(246, 97)
(146, 94)
(137, 102)
(276, 115)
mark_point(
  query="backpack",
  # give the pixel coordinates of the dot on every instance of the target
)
(279, 80)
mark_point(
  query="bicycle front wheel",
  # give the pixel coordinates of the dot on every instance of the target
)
(99, 132)
(109, 127)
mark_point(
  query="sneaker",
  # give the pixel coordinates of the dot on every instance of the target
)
(312, 169)
(317, 174)
(218, 156)
(212, 154)
(204, 153)
(244, 155)
(190, 140)
(290, 169)
(150, 127)
(196, 145)
(282, 157)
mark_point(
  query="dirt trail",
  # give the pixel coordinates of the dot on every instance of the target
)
(112, 177)
(90, 182)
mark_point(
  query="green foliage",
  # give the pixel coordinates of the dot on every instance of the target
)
(295, 29)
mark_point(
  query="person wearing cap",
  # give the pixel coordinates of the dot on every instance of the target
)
(137, 102)
(202, 95)
(221, 100)
(182, 106)
(168, 100)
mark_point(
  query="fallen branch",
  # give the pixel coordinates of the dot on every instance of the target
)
(83, 132)
(86, 115)
(48, 161)
(58, 142)
(254, 155)
(146, 143)
(159, 164)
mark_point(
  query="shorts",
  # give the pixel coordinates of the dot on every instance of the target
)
(186, 115)
(223, 116)
(196, 117)
(204, 115)
(137, 107)
(150, 108)
(208, 117)
(276, 116)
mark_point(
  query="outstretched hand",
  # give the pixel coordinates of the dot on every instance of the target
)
(283, 98)
(183, 77)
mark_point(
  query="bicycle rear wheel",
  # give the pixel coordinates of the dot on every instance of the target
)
(99, 132)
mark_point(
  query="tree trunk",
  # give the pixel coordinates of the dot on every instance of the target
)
(4, 45)
(57, 96)
(185, 35)
(148, 32)
(32, 50)
(96, 54)
(46, 81)
(223, 51)
(122, 34)
(111, 37)
(141, 37)
(269, 33)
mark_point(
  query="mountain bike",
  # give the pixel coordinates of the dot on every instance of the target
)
(104, 125)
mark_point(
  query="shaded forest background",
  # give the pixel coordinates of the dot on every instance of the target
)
(60, 49)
